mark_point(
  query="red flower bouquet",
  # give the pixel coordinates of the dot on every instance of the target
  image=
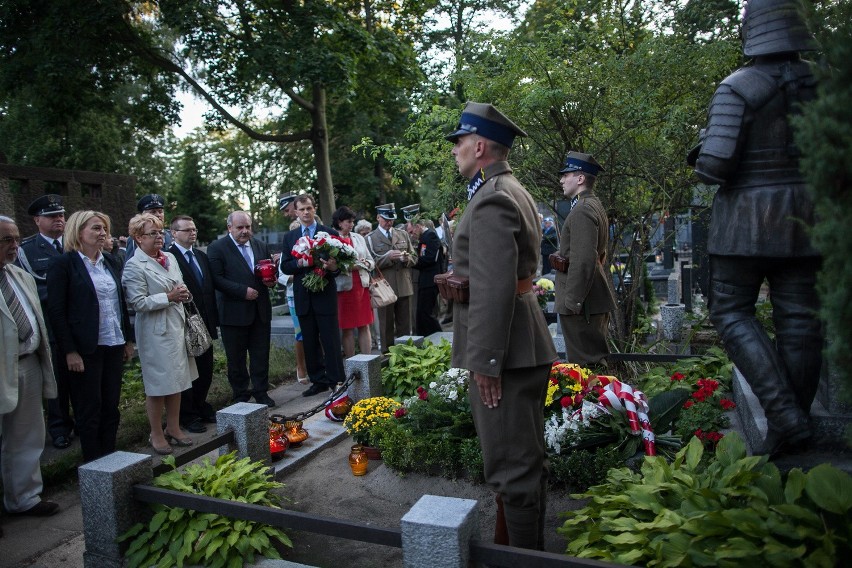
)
(309, 252)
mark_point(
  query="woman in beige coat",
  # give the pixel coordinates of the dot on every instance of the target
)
(154, 288)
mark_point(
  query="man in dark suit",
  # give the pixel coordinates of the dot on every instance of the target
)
(430, 262)
(35, 255)
(245, 310)
(195, 268)
(317, 311)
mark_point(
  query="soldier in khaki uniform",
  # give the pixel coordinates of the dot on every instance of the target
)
(394, 255)
(500, 334)
(584, 296)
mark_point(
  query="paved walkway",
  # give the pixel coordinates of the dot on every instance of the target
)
(57, 541)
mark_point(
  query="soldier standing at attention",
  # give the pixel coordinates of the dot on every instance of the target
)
(394, 255)
(583, 294)
(35, 255)
(499, 332)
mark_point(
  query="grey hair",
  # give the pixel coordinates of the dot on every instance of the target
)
(232, 213)
(4, 219)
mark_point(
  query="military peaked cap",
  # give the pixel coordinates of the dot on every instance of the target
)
(150, 201)
(286, 200)
(579, 162)
(487, 121)
(50, 204)
(409, 212)
(388, 211)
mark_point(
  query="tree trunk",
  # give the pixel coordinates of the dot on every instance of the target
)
(322, 162)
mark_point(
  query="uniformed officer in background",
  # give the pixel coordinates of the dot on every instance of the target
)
(34, 255)
(584, 297)
(153, 204)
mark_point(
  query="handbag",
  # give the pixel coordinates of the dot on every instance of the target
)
(195, 333)
(344, 281)
(381, 293)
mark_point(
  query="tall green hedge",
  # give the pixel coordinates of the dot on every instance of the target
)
(824, 133)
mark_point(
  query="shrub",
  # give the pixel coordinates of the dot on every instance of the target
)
(729, 510)
(410, 366)
(176, 536)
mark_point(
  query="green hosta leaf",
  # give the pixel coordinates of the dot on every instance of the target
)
(665, 407)
(629, 557)
(673, 550)
(830, 488)
(694, 451)
(738, 548)
(730, 449)
(795, 486)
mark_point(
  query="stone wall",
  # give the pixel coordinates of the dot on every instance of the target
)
(113, 194)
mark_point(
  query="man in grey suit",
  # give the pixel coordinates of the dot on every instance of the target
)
(26, 376)
(244, 307)
(394, 256)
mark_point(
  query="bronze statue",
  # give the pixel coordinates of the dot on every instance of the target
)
(760, 219)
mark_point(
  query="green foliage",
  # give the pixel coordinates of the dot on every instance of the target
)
(411, 366)
(581, 469)
(726, 511)
(713, 364)
(429, 439)
(824, 133)
(175, 537)
(195, 196)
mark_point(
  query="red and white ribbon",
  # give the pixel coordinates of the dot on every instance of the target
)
(634, 404)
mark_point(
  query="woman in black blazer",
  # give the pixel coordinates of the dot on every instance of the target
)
(90, 321)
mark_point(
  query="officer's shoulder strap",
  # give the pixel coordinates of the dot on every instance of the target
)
(755, 86)
(28, 240)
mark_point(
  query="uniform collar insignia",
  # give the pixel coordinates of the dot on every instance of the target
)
(475, 183)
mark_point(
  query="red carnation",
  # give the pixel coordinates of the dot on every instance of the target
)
(678, 376)
(400, 412)
(565, 401)
(688, 403)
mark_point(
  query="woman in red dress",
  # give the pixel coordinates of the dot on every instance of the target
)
(354, 310)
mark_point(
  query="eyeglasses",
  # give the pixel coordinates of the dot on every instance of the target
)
(185, 230)
(154, 234)
(10, 240)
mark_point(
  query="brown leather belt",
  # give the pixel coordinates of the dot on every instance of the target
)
(524, 286)
(457, 288)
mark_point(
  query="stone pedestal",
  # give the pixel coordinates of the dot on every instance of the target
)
(829, 427)
(672, 319)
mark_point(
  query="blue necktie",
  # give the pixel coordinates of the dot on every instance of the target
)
(190, 258)
(244, 250)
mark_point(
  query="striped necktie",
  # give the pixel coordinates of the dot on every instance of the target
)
(25, 328)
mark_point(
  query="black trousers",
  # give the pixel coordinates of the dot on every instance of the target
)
(59, 419)
(425, 322)
(784, 374)
(323, 352)
(95, 394)
(247, 342)
(193, 401)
